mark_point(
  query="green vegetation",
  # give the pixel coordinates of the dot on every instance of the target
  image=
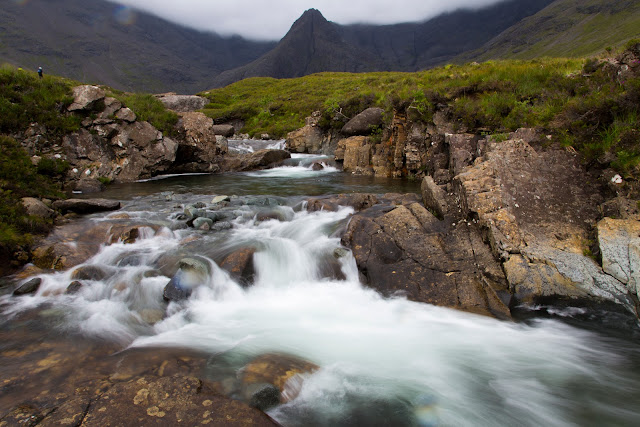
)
(20, 178)
(25, 98)
(581, 102)
(493, 94)
(147, 107)
(567, 28)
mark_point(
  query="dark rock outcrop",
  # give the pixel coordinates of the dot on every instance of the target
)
(86, 206)
(224, 130)
(239, 264)
(262, 159)
(29, 287)
(406, 250)
(364, 123)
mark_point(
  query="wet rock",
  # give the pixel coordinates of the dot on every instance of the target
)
(86, 98)
(317, 166)
(221, 226)
(619, 243)
(364, 123)
(29, 287)
(203, 224)
(239, 265)
(263, 396)
(183, 103)
(172, 400)
(192, 272)
(86, 206)
(220, 199)
(261, 159)
(37, 208)
(279, 370)
(74, 287)
(268, 215)
(406, 250)
(89, 272)
(127, 237)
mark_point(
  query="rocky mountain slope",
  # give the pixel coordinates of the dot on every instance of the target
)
(314, 44)
(89, 42)
(565, 28)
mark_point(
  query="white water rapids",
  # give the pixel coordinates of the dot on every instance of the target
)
(383, 361)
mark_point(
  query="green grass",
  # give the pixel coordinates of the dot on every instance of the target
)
(578, 100)
(148, 108)
(25, 99)
(496, 94)
(20, 178)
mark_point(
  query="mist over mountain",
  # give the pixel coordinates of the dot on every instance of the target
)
(314, 44)
(98, 42)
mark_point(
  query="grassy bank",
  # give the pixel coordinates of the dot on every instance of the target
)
(580, 101)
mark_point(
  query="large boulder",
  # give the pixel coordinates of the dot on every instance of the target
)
(37, 208)
(87, 98)
(537, 210)
(307, 139)
(355, 152)
(405, 249)
(171, 400)
(224, 130)
(364, 123)
(86, 206)
(183, 103)
(261, 159)
(198, 150)
(239, 265)
(619, 243)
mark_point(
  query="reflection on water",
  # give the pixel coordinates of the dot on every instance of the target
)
(294, 180)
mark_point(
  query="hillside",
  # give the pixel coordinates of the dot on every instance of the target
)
(85, 41)
(566, 28)
(316, 45)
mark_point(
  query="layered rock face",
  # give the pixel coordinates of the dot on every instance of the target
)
(113, 145)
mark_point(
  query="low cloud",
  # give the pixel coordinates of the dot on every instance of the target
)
(270, 20)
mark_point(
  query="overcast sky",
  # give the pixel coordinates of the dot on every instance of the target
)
(271, 19)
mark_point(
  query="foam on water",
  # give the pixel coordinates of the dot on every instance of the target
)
(386, 359)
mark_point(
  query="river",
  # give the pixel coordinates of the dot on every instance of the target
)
(382, 361)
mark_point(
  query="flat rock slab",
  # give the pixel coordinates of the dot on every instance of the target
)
(86, 206)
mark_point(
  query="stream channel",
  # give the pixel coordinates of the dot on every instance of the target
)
(382, 361)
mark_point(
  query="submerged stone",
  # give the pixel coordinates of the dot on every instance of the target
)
(29, 287)
(193, 272)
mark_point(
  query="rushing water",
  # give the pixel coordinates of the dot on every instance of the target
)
(383, 361)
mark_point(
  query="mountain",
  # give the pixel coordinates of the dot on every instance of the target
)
(416, 46)
(565, 28)
(314, 44)
(84, 40)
